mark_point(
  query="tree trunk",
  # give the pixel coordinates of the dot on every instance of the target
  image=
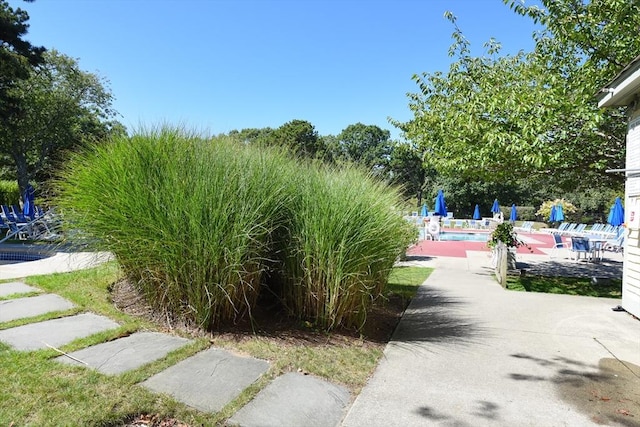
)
(22, 170)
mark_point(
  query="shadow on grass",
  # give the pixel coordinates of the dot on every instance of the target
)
(567, 268)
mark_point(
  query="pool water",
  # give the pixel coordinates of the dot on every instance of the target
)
(463, 237)
(12, 254)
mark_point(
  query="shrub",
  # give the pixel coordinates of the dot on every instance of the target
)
(200, 225)
(344, 239)
(9, 193)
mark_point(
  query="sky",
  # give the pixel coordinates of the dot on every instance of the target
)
(218, 65)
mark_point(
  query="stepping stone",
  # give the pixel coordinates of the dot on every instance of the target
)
(56, 332)
(11, 288)
(124, 354)
(208, 380)
(20, 308)
(295, 400)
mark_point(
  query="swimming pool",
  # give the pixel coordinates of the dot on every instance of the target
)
(449, 236)
(12, 254)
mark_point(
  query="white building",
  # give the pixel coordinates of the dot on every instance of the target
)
(624, 90)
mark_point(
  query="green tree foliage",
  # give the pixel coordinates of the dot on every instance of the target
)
(17, 56)
(252, 135)
(407, 170)
(530, 114)
(61, 107)
(300, 136)
(367, 145)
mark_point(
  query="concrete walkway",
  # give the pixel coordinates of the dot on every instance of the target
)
(466, 353)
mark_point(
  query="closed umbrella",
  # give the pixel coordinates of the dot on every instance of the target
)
(616, 216)
(559, 213)
(425, 210)
(476, 213)
(28, 202)
(514, 213)
(552, 215)
(496, 206)
(441, 206)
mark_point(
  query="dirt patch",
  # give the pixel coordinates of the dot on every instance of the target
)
(610, 396)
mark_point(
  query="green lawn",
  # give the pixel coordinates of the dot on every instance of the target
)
(608, 288)
(35, 390)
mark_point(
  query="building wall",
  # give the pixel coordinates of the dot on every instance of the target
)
(631, 269)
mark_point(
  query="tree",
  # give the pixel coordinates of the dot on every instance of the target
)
(367, 145)
(17, 56)
(524, 115)
(252, 135)
(299, 136)
(62, 107)
(407, 169)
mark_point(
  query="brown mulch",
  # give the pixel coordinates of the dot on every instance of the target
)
(270, 323)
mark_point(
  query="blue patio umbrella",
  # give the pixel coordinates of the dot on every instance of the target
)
(441, 206)
(552, 215)
(496, 206)
(425, 210)
(28, 202)
(514, 213)
(476, 213)
(559, 213)
(616, 215)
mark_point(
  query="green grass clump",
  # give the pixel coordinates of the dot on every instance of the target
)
(202, 226)
(344, 240)
(607, 288)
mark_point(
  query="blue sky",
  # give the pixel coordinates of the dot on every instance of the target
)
(219, 65)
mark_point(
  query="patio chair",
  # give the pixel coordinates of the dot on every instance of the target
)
(558, 244)
(458, 223)
(580, 246)
(615, 245)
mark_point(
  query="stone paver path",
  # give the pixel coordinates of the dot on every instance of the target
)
(125, 354)
(13, 288)
(56, 332)
(21, 308)
(206, 381)
(209, 380)
(319, 403)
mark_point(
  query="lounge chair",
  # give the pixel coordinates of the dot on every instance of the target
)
(560, 228)
(526, 226)
(616, 244)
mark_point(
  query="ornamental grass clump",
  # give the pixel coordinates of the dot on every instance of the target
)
(189, 220)
(344, 238)
(202, 227)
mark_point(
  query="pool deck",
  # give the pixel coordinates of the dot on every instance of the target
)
(61, 262)
(537, 257)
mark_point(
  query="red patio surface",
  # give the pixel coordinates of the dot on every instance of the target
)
(459, 249)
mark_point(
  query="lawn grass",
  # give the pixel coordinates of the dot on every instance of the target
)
(607, 288)
(404, 281)
(36, 390)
